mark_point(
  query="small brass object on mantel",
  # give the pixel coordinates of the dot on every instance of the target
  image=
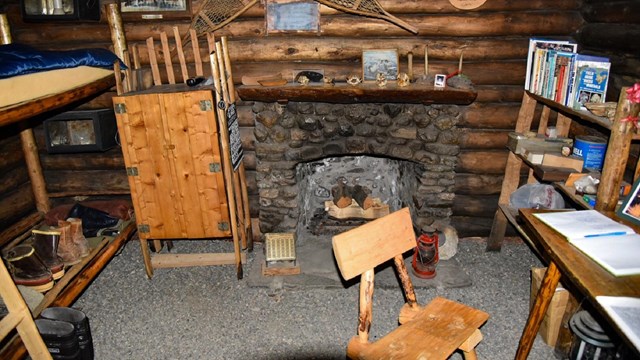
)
(303, 80)
(354, 80)
(404, 79)
(328, 81)
(381, 80)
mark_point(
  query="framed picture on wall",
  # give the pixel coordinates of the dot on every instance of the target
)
(133, 10)
(292, 16)
(630, 209)
(376, 61)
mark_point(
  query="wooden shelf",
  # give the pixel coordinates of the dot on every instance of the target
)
(612, 172)
(547, 173)
(576, 114)
(342, 93)
(571, 193)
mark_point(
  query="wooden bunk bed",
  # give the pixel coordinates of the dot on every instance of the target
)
(79, 276)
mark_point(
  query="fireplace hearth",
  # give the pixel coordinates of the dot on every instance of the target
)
(404, 153)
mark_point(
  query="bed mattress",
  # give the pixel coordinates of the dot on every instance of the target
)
(30, 87)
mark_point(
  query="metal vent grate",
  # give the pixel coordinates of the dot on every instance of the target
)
(280, 247)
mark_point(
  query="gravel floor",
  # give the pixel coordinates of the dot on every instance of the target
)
(206, 313)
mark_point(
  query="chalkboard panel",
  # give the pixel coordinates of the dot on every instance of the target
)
(235, 143)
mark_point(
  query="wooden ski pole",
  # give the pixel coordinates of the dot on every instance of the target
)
(241, 171)
(227, 167)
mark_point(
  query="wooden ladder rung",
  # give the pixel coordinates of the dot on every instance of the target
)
(10, 322)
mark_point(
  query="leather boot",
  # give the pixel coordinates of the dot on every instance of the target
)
(78, 237)
(27, 269)
(67, 249)
(79, 321)
(46, 245)
(60, 338)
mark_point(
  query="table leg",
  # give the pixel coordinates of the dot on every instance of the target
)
(540, 306)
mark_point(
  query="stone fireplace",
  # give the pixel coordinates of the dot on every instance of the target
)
(405, 154)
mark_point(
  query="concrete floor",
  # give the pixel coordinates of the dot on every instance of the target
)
(206, 313)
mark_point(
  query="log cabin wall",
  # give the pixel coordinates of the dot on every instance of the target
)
(494, 38)
(611, 29)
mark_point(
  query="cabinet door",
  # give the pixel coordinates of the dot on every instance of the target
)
(171, 150)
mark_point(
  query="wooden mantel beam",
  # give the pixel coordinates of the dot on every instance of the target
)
(362, 93)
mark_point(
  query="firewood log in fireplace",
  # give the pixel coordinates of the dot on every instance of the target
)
(362, 197)
(341, 195)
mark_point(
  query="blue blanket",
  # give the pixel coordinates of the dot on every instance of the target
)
(18, 59)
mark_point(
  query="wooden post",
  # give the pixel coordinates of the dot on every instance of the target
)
(29, 147)
(617, 154)
(5, 32)
(366, 305)
(118, 39)
(539, 309)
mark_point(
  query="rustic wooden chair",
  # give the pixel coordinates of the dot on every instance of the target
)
(432, 332)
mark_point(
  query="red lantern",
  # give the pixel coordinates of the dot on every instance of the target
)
(425, 256)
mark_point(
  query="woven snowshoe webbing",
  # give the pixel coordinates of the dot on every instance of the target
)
(367, 8)
(214, 14)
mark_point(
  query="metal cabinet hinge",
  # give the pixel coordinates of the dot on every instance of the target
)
(120, 108)
(215, 167)
(132, 171)
(143, 228)
(206, 105)
(223, 226)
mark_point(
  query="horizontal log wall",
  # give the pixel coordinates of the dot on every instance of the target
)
(612, 30)
(494, 39)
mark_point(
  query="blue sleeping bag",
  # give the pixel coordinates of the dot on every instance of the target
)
(18, 59)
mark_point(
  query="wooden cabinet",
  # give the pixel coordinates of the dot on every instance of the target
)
(169, 138)
(621, 135)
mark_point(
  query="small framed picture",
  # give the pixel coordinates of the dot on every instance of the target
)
(383, 61)
(155, 10)
(440, 81)
(630, 209)
(292, 16)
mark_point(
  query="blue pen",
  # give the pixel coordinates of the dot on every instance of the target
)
(616, 233)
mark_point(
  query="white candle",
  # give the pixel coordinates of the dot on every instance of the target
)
(410, 65)
(460, 64)
(426, 60)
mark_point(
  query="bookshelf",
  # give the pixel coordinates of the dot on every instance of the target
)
(620, 136)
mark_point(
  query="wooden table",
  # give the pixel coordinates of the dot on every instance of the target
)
(589, 278)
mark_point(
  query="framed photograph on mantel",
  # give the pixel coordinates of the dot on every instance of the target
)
(383, 61)
(133, 10)
(630, 209)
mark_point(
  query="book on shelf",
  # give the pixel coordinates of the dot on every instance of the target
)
(612, 245)
(590, 80)
(625, 312)
(537, 60)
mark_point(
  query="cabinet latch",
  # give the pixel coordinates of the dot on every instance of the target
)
(120, 108)
(223, 226)
(132, 171)
(143, 228)
(215, 167)
(206, 105)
